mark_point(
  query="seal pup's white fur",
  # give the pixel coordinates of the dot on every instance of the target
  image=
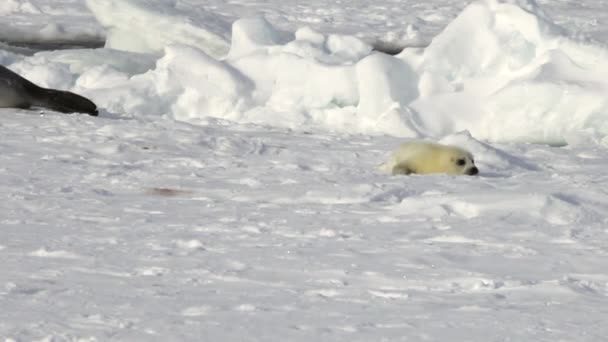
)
(426, 157)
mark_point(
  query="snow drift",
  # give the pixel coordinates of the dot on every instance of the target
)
(148, 26)
(501, 70)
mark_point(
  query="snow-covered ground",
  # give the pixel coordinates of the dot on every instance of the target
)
(229, 190)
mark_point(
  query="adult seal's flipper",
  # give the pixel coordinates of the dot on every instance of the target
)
(64, 101)
(17, 92)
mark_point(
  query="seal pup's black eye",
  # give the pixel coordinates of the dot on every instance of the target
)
(460, 162)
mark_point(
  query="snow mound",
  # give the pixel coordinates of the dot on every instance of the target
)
(250, 34)
(501, 71)
(504, 72)
(313, 82)
(149, 25)
(490, 38)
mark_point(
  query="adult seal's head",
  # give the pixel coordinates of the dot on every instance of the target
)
(17, 92)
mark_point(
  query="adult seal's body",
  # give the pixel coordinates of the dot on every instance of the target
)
(17, 92)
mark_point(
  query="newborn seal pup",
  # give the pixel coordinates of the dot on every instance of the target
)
(425, 157)
(17, 92)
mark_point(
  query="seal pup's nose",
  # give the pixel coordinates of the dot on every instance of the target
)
(472, 171)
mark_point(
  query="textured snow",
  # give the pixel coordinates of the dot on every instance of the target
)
(229, 190)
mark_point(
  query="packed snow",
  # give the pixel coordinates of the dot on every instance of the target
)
(229, 189)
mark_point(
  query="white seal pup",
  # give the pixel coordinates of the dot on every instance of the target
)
(17, 92)
(426, 157)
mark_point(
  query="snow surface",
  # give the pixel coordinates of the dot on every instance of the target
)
(229, 189)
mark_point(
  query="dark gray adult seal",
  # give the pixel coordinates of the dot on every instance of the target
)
(17, 92)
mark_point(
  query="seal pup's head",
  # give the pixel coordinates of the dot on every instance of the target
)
(461, 162)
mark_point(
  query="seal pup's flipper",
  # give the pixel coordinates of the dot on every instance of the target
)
(402, 169)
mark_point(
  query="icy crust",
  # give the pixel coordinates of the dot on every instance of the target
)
(501, 71)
